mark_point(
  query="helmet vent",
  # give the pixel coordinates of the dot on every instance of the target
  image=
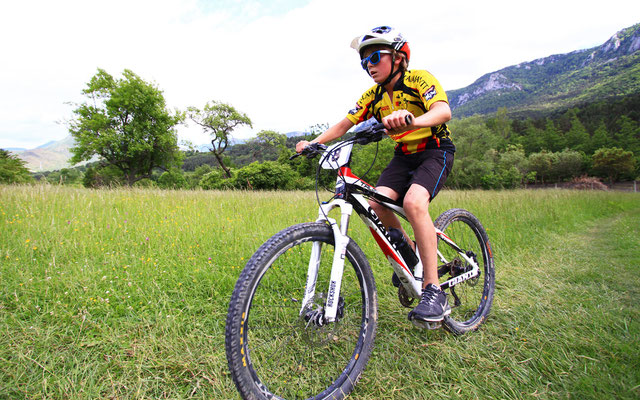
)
(381, 30)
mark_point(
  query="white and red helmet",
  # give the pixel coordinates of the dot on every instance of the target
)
(384, 35)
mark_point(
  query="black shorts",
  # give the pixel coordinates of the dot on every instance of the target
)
(428, 168)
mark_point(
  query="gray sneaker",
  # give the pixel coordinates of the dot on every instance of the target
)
(433, 306)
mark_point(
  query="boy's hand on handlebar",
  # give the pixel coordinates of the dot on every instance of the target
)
(301, 145)
(308, 149)
(399, 121)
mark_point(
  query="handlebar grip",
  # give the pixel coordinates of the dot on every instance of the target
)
(312, 150)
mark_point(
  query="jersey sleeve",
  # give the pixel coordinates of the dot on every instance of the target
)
(430, 89)
(363, 109)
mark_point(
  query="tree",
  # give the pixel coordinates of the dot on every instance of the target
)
(552, 138)
(12, 169)
(125, 122)
(268, 175)
(567, 164)
(599, 139)
(613, 163)
(541, 163)
(172, 179)
(500, 124)
(577, 136)
(219, 120)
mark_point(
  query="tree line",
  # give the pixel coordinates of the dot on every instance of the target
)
(125, 122)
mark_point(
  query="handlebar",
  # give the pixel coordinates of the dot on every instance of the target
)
(310, 151)
(373, 133)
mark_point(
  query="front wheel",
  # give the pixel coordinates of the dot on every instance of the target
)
(470, 300)
(274, 349)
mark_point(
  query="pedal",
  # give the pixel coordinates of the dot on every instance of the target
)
(420, 324)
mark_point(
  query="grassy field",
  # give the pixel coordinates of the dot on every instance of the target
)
(123, 294)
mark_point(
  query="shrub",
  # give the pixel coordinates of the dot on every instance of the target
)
(172, 179)
(216, 179)
(268, 175)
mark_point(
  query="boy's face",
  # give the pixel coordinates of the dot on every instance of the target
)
(380, 71)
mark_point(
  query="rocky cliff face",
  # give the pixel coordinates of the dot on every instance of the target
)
(536, 80)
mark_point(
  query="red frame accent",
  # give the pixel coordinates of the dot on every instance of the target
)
(346, 172)
(388, 251)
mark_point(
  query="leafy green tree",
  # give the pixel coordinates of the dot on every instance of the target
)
(472, 138)
(102, 175)
(65, 176)
(271, 138)
(613, 163)
(541, 163)
(513, 156)
(172, 179)
(628, 135)
(193, 178)
(532, 140)
(599, 139)
(552, 138)
(567, 164)
(500, 124)
(268, 175)
(126, 124)
(512, 166)
(215, 179)
(577, 136)
(218, 120)
(12, 169)
(467, 173)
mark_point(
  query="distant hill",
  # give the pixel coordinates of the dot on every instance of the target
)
(50, 156)
(557, 81)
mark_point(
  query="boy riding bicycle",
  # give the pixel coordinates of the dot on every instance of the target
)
(414, 109)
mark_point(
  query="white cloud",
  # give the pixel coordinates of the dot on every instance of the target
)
(287, 65)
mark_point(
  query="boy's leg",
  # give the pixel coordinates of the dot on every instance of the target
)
(416, 206)
(387, 217)
(433, 305)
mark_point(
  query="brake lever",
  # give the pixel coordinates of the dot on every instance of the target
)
(310, 151)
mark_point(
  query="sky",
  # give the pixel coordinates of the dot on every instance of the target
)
(287, 64)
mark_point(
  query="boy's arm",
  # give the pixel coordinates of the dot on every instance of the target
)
(330, 134)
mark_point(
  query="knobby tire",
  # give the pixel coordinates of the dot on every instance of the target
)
(275, 353)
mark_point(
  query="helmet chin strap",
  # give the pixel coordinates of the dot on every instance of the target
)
(392, 74)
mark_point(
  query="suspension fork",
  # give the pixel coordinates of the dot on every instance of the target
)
(337, 269)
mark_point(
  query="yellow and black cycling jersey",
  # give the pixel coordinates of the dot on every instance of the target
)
(415, 92)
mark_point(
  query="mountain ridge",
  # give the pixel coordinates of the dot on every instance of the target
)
(559, 80)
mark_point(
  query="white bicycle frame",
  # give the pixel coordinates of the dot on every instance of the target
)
(337, 157)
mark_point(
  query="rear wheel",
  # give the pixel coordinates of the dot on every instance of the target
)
(276, 351)
(470, 300)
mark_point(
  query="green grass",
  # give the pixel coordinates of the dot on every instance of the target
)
(123, 294)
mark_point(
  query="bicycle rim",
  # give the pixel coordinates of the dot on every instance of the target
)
(287, 355)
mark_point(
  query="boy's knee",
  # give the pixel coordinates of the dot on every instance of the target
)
(415, 204)
(375, 206)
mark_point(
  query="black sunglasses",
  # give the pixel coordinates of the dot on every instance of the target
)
(373, 58)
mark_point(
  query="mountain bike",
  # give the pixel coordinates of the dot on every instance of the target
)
(303, 314)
